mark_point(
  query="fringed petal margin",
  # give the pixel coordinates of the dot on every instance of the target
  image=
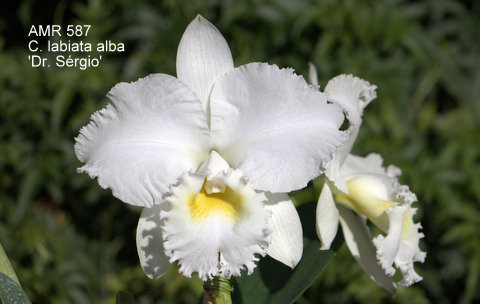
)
(401, 244)
(218, 233)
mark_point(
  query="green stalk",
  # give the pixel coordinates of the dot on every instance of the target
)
(218, 291)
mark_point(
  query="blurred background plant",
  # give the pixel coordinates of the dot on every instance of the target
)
(72, 242)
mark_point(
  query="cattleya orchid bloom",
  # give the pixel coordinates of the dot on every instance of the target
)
(211, 156)
(360, 188)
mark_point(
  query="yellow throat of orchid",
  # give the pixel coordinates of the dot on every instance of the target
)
(227, 204)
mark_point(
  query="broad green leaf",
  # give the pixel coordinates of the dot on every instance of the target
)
(124, 297)
(273, 282)
(11, 292)
(5, 266)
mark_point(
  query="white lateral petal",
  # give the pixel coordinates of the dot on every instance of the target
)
(327, 217)
(353, 95)
(150, 243)
(202, 56)
(358, 240)
(153, 130)
(287, 235)
(214, 240)
(273, 126)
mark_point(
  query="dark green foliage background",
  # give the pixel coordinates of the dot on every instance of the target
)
(72, 242)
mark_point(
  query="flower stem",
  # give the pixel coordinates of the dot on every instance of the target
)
(218, 291)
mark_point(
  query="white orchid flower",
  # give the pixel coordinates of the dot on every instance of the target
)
(185, 147)
(360, 188)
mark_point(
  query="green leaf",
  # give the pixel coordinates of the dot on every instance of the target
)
(124, 297)
(5, 266)
(11, 292)
(273, 282)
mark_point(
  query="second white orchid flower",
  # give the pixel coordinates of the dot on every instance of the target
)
(211, 155)
(360, 188)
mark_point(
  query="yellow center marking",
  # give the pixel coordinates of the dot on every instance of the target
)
(227, 204)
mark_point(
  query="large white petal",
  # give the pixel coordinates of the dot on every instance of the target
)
(287, 235)
(273, 126)
(327, 217)
(353, 95)
(150, 242)
(202, 56)
(358, 239)
(215, 242)
(153, 130)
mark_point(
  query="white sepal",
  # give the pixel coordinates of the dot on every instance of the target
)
(358, 239)
(273, 126)
(213, 244)
(153, 130)
(287, 235)
(326, 217)
(150, 242)
(202, 56)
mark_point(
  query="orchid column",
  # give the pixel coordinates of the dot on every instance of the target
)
(212, 155)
